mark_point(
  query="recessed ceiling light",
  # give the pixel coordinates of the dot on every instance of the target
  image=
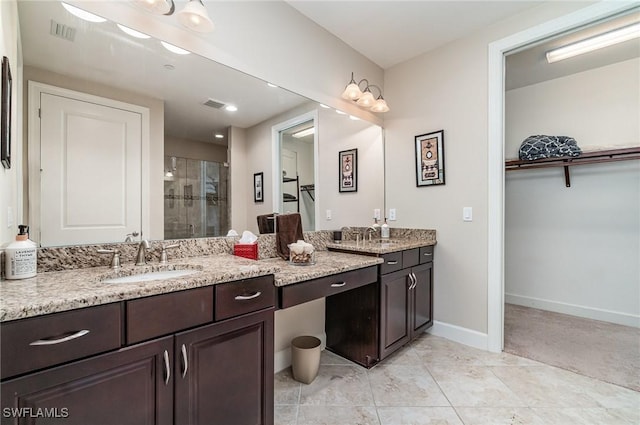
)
(351, 117)
(82, 14)
(219, 136)
(340, 112)
(132, 33)
(322, 105)
(174, 49)
(272, 85)
(231, 108)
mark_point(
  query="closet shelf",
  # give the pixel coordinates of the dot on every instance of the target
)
(595, 157)
(309, 189)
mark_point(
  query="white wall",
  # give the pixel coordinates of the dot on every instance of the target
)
(447, 89)
(11, 179)
(575, 250)
(193, 149)
(305, 169)
(238, 178)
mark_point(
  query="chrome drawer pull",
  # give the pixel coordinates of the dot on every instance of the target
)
(338, 285)
(185, 362)
(392, 263)
(248, 297)
(60, 340)
(167, 369)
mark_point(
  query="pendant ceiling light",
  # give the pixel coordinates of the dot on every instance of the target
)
(193, 16)
(364, 98)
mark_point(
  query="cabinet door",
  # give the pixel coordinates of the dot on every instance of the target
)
(394, 311)
(224, 372)
(129, 386)
(422, 299)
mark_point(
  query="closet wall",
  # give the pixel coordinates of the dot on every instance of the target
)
(576, 250)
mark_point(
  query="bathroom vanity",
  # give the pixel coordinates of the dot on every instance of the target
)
(197, 348)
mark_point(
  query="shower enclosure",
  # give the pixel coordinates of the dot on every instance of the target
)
(195, 198)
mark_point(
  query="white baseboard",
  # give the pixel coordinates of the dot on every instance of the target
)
(575, 310)
(459, 334)
(282, 358)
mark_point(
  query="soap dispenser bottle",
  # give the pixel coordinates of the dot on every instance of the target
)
(384, 230)
(21, 256)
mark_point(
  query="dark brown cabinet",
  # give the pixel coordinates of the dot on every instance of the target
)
(211, 361)
(224, 372)
(130, 386)
(369, 323)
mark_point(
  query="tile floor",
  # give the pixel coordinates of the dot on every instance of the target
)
(437, 381)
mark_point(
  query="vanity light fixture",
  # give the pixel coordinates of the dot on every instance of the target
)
(364, 97)
(84, 15)
(600, 41)
(193, 16)
(133, 33)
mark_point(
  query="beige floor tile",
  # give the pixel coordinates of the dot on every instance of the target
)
(285, 415)
(397, 385)
(418, 416)
(473, 386)
(499, 416)
(329, 358)
(337, 415)
(338, 386)
(286, 389)
(589, 416)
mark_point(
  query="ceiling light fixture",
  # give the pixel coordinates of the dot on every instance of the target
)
(306, 132)
(133, 33)
(193, 16)
(594, 43)
(364, 97)
(84, 15)
(231, 108)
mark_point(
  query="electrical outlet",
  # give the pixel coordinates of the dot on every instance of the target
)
(376, 213)
(328, 214)
(392, 214)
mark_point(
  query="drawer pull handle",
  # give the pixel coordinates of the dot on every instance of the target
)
(167, 369)
(185, 361)
(66, 338)
(392, 263)
(338, 285)
(248, 297)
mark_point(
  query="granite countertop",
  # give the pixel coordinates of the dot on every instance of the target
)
(380, 246)
(57, 291)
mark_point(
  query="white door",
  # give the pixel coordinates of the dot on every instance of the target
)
(90, 172)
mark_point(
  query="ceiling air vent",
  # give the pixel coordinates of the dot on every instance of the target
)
(62, 31)
(214, 104)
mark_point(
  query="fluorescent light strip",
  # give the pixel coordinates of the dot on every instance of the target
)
(305, 132)
(594, 43)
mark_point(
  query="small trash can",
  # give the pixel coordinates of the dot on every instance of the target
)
(305, 358)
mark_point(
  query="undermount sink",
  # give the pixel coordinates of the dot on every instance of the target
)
(152, 275)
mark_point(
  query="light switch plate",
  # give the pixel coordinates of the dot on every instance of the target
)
(467, 214)
(376, 213)
(328, 215)
(392, 214)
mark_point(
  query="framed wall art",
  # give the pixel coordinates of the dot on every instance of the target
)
(5, 118)
(348, 177)
(258, 187)
(430, 159)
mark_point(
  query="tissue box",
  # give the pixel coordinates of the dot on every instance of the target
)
(246, 250)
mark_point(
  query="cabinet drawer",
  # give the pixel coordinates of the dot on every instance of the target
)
(392, 262)
(426, 254)
(168, 313)
(325, 286)
(244, 296)
(410, 258)
(43, 341)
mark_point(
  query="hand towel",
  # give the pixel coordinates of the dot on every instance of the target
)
(266, 223)
(288, 230)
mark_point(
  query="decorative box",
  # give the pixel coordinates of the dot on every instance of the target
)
(246, 250)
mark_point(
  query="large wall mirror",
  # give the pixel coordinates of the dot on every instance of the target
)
(93, 87)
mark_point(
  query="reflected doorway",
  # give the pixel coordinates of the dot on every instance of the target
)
(195, 198)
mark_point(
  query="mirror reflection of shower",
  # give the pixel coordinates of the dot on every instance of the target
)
(195, 198)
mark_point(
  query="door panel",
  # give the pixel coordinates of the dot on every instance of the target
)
(395, 311)
(422, 298)
(90, 171)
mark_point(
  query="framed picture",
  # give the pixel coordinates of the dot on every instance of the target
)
(5, 136)
(258, 187)
(430, 159)
(348, 178)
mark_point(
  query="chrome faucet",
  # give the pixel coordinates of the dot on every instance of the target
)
(141, 259)
(373, 228)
